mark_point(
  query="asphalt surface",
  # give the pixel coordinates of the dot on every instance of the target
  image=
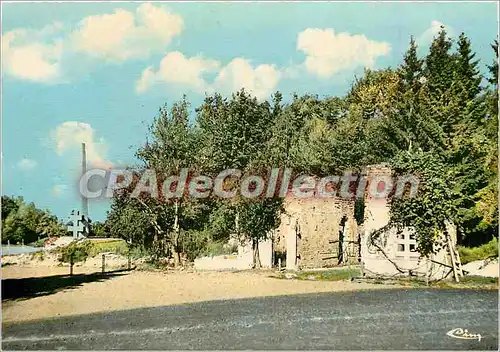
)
(381, 319)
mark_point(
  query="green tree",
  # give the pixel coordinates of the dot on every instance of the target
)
(23, 222)
(258, 218)
(99, 229)
(434, 206)
(493, 68)
(410, 72)
(128, 221)
(10, 205)
(233, 135)
(170, 150)
(466, 69)
(75, 252)
(440, 64)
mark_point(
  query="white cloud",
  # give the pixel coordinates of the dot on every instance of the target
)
(261, 81)
(124, 35)
(428, 35)
(71, 134)
(328, 52)
(33, 55)
(36, 54)
(175, 68)
(26, 164)
(178, 69)
(59, 189)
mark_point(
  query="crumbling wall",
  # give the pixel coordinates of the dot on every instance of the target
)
(315, 224)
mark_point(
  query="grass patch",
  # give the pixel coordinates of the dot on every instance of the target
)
(485, 251)
(467, 282)
(473, 282)
(480, 280)
(326, 275)
(117, 246)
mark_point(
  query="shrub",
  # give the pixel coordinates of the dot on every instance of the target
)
(139, 252)
(194, 243)
(485, 251)
(38, 255)
(75, 252)
(39, 243)
(218, 248)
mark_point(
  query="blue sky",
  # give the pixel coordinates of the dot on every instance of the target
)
(98, 72)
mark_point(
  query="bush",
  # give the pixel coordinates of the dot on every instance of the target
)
(139, 252)
(39, 243)
(217, 248)
(75, 252)
(485, 251)
(193, 243)
(38, 255)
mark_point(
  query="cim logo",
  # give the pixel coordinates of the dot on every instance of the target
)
(463, 334)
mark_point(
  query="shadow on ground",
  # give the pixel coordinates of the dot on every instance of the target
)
(25, 288)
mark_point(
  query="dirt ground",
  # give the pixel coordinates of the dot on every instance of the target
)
(55, 296)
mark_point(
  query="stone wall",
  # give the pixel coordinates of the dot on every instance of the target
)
(315, 225)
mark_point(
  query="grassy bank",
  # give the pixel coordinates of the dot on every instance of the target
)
(323, 275)
(343, 274)
(485, 251)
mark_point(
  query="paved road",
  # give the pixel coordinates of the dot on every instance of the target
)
(382, 319)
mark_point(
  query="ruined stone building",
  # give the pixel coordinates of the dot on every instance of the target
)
(322, 232)
(317, 233)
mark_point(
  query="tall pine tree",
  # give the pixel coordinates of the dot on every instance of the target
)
(466, 70)
(410, 71)
(494, 67)
(439, 64)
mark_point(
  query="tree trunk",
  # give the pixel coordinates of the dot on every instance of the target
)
(175, 254)
(256, 255)
(175, 239)
(71, 262)
(237, 224)
(427, 271)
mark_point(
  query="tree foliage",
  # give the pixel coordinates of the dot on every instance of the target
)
(23, 222)
(430, 115)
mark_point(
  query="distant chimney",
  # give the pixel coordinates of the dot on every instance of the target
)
(85, 206)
